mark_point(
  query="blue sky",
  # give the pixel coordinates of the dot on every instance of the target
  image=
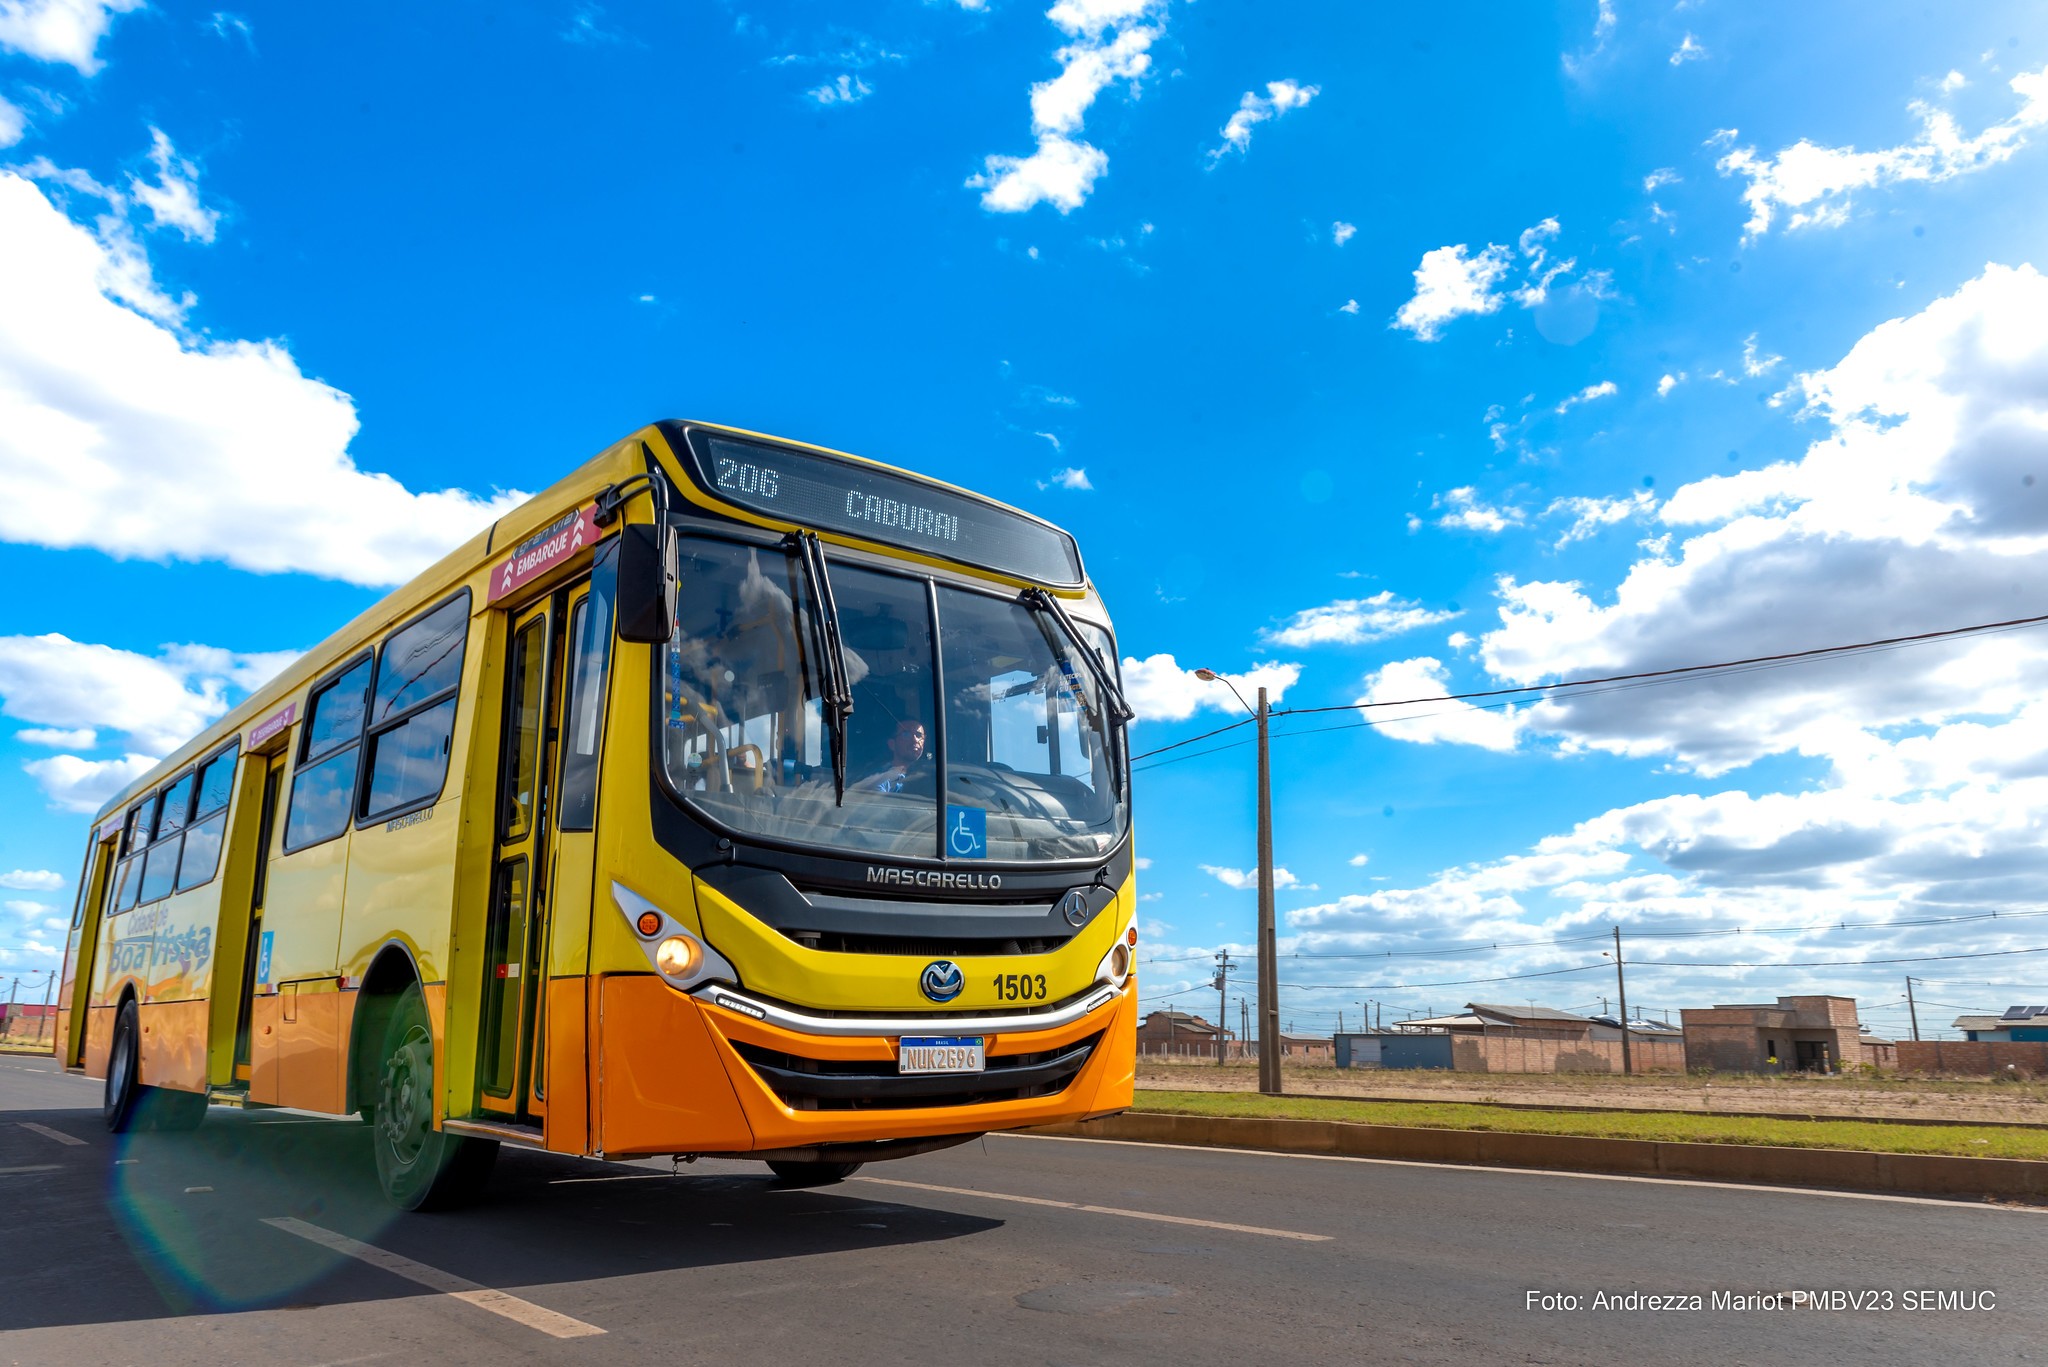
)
(1371, 353)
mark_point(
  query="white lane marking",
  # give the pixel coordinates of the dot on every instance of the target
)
(447, 1283)
(1950, 1203)
(46, 1132)
(33, 1167)
(1102, 1210)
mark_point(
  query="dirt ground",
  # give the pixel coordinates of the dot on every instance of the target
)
(1865, 1098)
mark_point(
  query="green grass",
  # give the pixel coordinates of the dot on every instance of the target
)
(1972, 1141)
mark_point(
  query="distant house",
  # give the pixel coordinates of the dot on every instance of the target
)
(1320, 1047)
(1793, 1034)
(1177, 1033)
(2018, 1023)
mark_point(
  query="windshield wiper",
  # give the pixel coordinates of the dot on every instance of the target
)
(1120, 712)
(837, 695)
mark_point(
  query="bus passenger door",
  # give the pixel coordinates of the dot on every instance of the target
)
(513, 931)
(74, 997)
(256, 952)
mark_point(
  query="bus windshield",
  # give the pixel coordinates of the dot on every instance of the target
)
(1024, 746)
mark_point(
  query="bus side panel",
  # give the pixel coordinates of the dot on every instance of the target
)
(663, 1086)
(99, 1038)
(568, 1074)
(263, 1074)
(304, 896)
(401, 884)
(181, 956)
(309, 1053)
(174, 1045)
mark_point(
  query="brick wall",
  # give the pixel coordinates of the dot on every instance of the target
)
(1981, 1058)
(1500, 1054)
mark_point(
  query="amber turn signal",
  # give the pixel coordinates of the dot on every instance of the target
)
(1131, 937)
(649, 923)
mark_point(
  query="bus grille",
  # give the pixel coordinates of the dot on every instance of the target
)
(840, 942)
(808, 1084)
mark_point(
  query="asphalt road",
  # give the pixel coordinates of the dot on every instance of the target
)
(262, 1238)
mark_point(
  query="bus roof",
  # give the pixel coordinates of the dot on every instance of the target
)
(462, 565)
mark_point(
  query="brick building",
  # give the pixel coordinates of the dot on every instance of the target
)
(1803, 1034)
(1178, 1034)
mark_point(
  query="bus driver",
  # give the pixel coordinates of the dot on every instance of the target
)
(906, 749)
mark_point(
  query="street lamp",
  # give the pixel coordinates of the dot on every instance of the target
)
(1269, 967)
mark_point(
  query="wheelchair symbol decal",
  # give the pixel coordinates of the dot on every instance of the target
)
(966, 832)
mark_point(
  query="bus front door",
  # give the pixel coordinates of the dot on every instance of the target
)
(515, 931)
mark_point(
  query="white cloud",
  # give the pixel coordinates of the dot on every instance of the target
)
(1755, 364)
(1814, 183)
(1342, 232)
(1254, 109)
(228, 26)
(1954, 81)
(1348, 306)
(1071, 478)
(1589, 515)
(13, 123)
(1604, 389)
(1659, 178)
(1603, 28)
(173, 202)
(1454, 281)
(1669, 383)
(1109, 43)
(1426, 723)
(1247, 880)
(84, 785)
(1923, 505)
(32, 880)
(1687, 51)
(1359, 861)
(121, 434)
(1355, 621)
(67, 31)
(1450, 283)
(158, 702)
(844, 89)
(1464, 510)
(1161, 690)
(1143, 863)
(58, 739)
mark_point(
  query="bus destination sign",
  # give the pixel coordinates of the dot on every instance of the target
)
(837, 495)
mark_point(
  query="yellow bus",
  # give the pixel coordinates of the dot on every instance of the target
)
(732, 797)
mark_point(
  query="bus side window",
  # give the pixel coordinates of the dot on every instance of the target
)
(209, 820)
(160, 865)
(127, 880)
(412, 714)
(324, 785)
(590, 646)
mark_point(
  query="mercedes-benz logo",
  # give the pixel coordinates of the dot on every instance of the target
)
(941, 980)
(1074, 906)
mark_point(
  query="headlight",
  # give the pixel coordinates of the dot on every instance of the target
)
(1115, 965)
(678, 956)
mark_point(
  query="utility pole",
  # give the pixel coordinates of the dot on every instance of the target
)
(1912, 1010)
(1223, 967)
(1244, 1025)
(8, 1027)
(1621, 990)
(49, 986)
(1269, 958)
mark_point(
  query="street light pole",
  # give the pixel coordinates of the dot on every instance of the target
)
(1269, 967)
(1269, 960)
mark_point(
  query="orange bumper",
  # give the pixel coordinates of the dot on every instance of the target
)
(674, 1079)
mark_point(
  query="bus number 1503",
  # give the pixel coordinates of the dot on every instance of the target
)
(747, 478)
(1020, 987)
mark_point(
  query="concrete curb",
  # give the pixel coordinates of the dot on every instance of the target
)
(1840, 1169)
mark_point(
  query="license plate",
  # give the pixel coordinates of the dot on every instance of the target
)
(940, 1054)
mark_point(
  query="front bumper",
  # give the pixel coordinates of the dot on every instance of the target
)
(723, 1071)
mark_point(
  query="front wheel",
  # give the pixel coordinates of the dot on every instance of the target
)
(420, 1167)
(812, 1174)
(124, 1070)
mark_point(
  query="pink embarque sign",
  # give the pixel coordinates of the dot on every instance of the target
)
(272, 724)
(544, 550)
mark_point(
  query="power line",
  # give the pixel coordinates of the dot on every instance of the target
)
(1678, 671)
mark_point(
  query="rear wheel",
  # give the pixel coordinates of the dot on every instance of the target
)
(124, 1070)
(420, 1167)
(813, 1174)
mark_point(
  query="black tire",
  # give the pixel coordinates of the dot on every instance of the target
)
(419, 1167)
(812, 1174)
(124, 1070)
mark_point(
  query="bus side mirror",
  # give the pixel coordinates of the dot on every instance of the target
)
(647, 583)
